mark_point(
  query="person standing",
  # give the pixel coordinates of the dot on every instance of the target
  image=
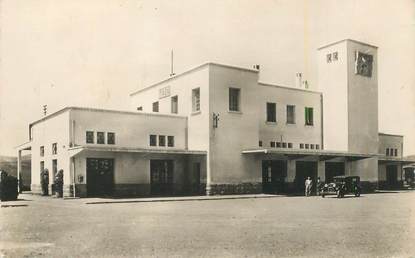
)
(44, 181)
(318, 186)
(308, 185)
(59, 183)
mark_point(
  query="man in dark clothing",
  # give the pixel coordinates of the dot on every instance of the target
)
(44, 181)
(59, 183)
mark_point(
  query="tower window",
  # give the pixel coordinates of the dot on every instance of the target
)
(196, 100)
(234, 99)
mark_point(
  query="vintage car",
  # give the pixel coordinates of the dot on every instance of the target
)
(342, 185)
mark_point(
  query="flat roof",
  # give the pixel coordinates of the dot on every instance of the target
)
(352, 40)
(190, 71)
(288, 88)
(78, 149)
(63, 110)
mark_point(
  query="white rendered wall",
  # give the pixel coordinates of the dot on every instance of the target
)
(332, 81)
(295, 133)
(132, 130)
(45, 133)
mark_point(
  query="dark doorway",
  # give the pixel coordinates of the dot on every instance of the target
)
(391, 176)
(100, 176)
(161, 177)
(334, 169)
(54, 172)
(195, 183)
(304, 169)
(274, 173)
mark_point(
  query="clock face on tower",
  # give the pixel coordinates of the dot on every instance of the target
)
(364, 63)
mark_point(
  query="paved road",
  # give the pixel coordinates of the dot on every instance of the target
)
(376, 225)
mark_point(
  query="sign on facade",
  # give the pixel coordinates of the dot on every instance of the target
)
(164, 92)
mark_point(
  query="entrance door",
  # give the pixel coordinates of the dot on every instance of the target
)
(391, 176)
(305, 169)
(334, 169)
(196, 178)
(161, 177)
(100, 176)
(273, 176)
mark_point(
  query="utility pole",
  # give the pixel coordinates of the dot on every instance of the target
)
(171, 64)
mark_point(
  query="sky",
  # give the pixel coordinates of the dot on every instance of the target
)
(93, 53)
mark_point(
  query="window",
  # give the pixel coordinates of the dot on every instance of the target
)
(335, 56)
(162, 140)
(54, 148)
(272, 144)
(271, 112)
(196, 100)
(290, 114)
(312, 146)
(234, 97)
(100, 138)
(260, 143)
(42, 151)
(290, 145)
(140, 108)
(170, 141)
(111, 138)
(396, 152)
(328, 58)
(308, 116)
(153, 140)
(89, 137)
(174, 104)
(307, 146)
(278, 145)
(156, 106)
(317, 147)
(301, 145)
(387, 151)
(284, 145)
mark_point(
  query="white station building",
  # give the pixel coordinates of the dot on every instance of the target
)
(215, 129)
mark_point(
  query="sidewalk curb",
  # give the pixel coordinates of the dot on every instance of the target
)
(185, 199)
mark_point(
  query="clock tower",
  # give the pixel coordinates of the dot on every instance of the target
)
(347, 77)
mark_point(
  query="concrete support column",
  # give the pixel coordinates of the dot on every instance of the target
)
(321, 170)
(291, 169)
(208, 176)
(348, 168)
(73, 177)
(19, 169)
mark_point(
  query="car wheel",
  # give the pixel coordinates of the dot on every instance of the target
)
(357, 194)
(322, 195)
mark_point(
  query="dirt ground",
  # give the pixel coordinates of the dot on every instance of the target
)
(374, 225)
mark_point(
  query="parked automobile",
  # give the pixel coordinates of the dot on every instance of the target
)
(341, 186)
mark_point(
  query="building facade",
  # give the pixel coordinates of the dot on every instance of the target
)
(216, 129)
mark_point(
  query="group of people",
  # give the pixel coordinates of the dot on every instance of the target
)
(44, 181)
(309, 186)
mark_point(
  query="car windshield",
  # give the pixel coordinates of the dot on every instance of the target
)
(338, 179)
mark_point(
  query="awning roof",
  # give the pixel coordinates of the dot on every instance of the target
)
(318, 154)
(76, 150)
(24, 146)
(403, 161)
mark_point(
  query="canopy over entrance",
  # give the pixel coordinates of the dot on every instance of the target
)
(317, 155)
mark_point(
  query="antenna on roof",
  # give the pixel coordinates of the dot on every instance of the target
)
(45, 109)
(171, 64)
